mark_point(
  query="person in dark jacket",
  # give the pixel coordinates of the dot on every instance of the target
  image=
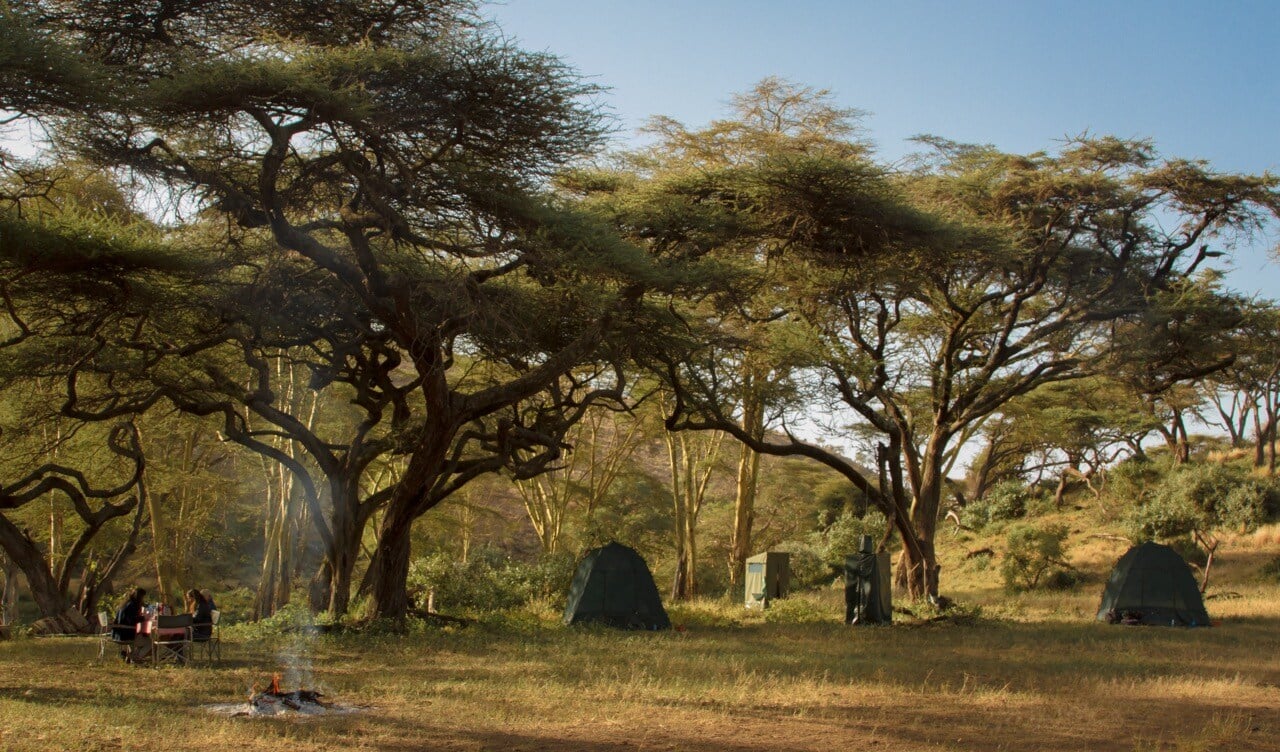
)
(201, 610)
(128, 616)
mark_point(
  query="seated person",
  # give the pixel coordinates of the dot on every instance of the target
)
(201, 610)
(208, 596)
(128, 616)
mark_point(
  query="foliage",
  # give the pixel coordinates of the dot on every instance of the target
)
(819, 558)
(488, 580)
(1005, 501)
(1032, 554)
(1201, 497)
(1133, 479)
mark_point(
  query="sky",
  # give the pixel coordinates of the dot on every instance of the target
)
(1201, 79)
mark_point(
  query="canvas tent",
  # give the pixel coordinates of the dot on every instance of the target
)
(1151, 584)
(767, 578)
(613, 586)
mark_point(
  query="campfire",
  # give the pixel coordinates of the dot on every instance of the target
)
(273, 700)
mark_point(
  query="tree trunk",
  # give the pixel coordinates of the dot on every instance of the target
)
(348, 529)
(917, 575)
(26, 556)
(160, 551)
(390, 566)
(690, 563)
(1061, 491)
(743, 513)
(8, 590)
(388, 575)
(1259, 444)
(747, 487)
(918, 565)
(1181, 445)
(273, 583)
(691, 467)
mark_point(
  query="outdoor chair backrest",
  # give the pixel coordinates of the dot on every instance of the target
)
(104, 621)
(215, 614)
(173, 622)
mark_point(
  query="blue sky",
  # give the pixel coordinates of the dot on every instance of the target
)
(1202, 79)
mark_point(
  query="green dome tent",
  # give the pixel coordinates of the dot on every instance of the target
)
(1151, 584)
(613, 586)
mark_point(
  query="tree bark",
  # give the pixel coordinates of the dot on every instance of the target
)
(390, 565)
(27, 556)
(8, 589)
(747, 486)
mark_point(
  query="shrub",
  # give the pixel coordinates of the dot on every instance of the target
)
(1004, 501)
(1249, 505)
(1033, 554)
(1165, 516)
(1132, 479)
(819, 559)
(1061, 579)
(1201, 497)
(808, 569)
(1187, 549)
(488, 581)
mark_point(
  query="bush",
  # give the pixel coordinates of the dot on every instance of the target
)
(808, 568)
(1133, 479)
(1201, 497)
(1165, 516)
(1188, 549)
(488, 581)
(1034, 553)
(1249, 505)
(1061, 579)
(818, 560)
(1005, 501)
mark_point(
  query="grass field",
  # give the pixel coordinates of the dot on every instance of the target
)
(1028, 673)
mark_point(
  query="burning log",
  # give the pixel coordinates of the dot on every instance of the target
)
(273, 700)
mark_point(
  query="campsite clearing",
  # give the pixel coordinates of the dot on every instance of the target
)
(773, 682)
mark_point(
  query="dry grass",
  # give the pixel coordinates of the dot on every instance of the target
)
(994, 684)
(1033, 672)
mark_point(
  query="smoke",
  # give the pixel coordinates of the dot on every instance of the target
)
(294, 655)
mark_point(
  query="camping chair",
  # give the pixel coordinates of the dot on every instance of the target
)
(211, 644)
(171, 640)
(107, 635)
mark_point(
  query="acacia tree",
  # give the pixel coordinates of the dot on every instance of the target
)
(1164, 355)
(1076, 249)
(396, 152)
(1047, 254)
(48, 574)
(1246, 393)
(776, 121)
(1077, 428)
